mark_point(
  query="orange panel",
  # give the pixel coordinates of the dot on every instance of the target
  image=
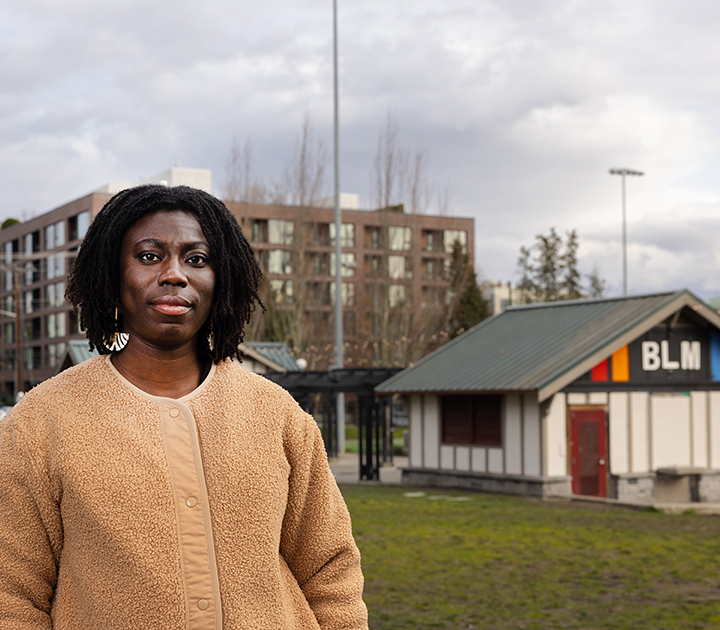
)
(621, 365)
(600, 371)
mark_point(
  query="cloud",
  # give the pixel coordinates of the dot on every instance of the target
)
(521, 108)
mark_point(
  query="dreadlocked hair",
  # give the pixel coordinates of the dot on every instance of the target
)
(94, 281)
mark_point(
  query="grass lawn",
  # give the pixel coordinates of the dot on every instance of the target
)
(503, 563)
(351, 438)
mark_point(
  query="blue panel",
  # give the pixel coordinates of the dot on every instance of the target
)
(715, 356)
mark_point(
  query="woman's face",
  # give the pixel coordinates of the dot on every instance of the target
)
(166, 279)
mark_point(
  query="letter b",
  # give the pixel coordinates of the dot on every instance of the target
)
(650, 356)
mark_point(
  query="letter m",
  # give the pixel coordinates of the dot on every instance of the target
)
(689, 355)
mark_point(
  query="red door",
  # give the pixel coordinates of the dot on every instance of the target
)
(588, 442)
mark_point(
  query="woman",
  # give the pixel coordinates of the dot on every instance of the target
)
(159, 485)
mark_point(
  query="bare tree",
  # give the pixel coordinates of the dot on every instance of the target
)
(241, 184)
(304, 178)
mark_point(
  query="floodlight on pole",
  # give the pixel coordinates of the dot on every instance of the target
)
(625, 172)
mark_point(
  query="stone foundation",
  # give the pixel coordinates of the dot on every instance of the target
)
(648, 488)
(486, 482)
(709, 487)
(635, 488)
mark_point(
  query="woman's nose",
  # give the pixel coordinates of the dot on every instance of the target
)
(172, 273)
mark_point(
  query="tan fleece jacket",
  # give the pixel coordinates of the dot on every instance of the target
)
(120, 510)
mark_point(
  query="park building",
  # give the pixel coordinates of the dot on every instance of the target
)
(616, 398)
(406, 253)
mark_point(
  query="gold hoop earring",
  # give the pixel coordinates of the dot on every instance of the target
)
(118, 340)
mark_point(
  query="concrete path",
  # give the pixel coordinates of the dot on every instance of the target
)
(346, 469)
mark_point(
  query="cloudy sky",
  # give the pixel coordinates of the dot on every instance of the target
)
(519, 108)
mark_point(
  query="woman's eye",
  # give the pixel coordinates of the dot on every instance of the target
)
(197, 259)
(149, 257)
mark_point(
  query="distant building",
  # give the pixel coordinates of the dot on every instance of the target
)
(414, 250)
(500, 295)
(403, 256)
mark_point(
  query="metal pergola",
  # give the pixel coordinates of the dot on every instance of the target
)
(374, 412)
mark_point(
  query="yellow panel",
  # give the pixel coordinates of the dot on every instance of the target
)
(621, 365)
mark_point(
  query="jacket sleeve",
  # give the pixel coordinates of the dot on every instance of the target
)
(30, 534)
(317, 541)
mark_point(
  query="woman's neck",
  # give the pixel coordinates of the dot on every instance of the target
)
(171, 374)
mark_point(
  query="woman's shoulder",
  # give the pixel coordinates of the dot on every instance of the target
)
(64, 393)
(233, 374)
(83, 377)
(251, 389)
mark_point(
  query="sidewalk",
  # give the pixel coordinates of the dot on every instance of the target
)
(346, 469)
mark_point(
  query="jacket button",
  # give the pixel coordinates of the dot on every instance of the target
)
(191, 502)
(203, 604)
(174, 413)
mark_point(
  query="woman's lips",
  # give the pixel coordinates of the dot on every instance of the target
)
(171, 305)
(171, 309)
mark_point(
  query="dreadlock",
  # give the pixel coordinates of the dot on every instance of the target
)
(94, 282)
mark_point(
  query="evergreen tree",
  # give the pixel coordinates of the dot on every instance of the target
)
(548, 270)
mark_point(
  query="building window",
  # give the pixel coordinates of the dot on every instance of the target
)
(55, 294)
(32, 268)
(78, 225)
(53, 354)
(373, 266)
(434, 296)
(319, 264)
(258, 232)
(33, 329)
(55, 235)
(347, 235)
(9, 333)
(347, 265)
(279, 262)
(374, 238)
(55, 325)
(433, 269)
(399, 268)
(400, 239)
(320, 293)
(450, 237)
(396, 295)
(282, 291)
(32, 357)
(472, 419)
(347, 291)
(55, 266)
(11, 248)
(320, 234)
(432, 240)
(32, 301)
(280, 232)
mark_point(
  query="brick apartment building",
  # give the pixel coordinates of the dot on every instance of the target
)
(408, 254)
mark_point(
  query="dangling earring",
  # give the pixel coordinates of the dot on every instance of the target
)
(118, 340)
(211, 337)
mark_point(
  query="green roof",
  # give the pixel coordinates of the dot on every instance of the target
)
(275, 351)
(540, 347)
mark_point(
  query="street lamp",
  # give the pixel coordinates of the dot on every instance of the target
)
(624, 172)
(339, 355)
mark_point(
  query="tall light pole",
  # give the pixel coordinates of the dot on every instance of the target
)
(624, 172)
(339, 358)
